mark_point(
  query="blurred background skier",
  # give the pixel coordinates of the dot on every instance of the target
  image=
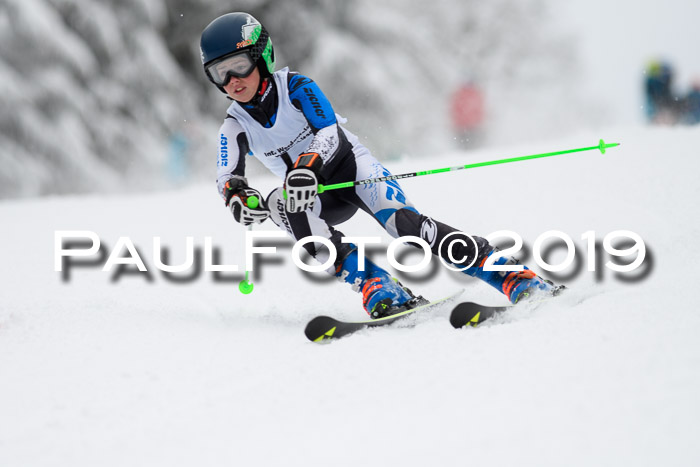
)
(285, 121)
(467, 114)
(662, 106)
(691, 104)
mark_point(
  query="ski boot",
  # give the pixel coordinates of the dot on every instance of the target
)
(382, 295)
(515, 285)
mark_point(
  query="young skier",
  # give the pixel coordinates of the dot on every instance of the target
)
(285, 121)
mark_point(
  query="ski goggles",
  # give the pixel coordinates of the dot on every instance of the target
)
(239, 65)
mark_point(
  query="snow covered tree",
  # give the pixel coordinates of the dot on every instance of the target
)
(97, 94)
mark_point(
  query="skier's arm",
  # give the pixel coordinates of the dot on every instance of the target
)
(233, 147)
(326, 149)
(231, 182)
(329, 141)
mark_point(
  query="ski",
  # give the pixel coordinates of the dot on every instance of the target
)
(323, 328)
(473, 314)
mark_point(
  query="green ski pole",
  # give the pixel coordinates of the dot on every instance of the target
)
(601, 147)
(246, 285)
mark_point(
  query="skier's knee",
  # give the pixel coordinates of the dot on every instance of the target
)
(408, 221)
(440, 237)
(402, 222)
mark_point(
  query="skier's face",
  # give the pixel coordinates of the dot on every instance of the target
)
(243, 89)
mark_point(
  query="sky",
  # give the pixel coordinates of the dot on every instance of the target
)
(618, 38)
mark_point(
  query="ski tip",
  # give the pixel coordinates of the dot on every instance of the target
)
(462, 314)
(456, 321)
(470, 314)
(320, 328)
(324, 336)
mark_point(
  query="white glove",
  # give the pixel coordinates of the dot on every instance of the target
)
(248, 206)
(301, 183)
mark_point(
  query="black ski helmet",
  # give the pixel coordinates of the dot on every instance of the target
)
(237, 32)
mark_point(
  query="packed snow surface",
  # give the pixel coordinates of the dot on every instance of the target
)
(138, 369)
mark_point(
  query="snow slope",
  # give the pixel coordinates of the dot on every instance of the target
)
(137, 372)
